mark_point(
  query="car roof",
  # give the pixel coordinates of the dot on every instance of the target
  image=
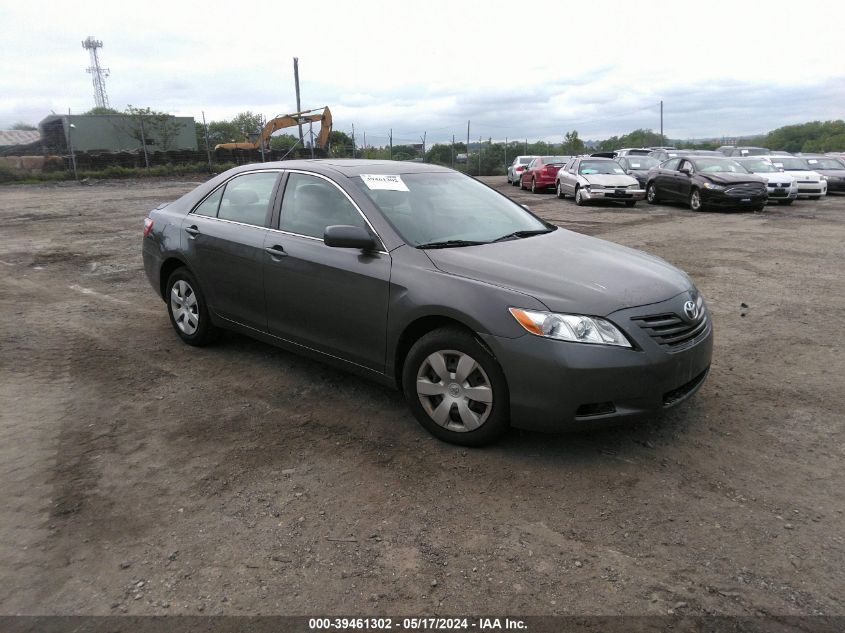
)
(349, 167)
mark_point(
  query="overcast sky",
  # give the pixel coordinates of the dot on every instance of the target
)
(517, 69)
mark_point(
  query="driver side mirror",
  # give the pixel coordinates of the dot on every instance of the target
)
(685, 170)
(343, 236)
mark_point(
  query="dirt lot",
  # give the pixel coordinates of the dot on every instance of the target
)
(144, 476)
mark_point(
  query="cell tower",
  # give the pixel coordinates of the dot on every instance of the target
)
(98, 73)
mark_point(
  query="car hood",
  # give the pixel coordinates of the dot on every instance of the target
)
(568, 272)
(777, 176)
(610, 180)
(730, 178)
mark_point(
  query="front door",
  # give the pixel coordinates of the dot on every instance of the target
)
(333, 300)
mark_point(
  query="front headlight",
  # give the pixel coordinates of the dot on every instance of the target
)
(710, 185)
(822, 177)
(634, 186)
(570, 327)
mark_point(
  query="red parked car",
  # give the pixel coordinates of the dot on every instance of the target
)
(541, 172)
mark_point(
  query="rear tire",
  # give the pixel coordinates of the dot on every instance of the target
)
(533, 186)
(521, 186)
(455, 388)
(559, 191)
(187, 309)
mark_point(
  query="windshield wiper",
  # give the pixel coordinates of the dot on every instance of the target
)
(520, 234)
(451, 244)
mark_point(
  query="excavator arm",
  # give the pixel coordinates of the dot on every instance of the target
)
(289, 120)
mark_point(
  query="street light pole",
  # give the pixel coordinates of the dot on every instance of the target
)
(70, 127)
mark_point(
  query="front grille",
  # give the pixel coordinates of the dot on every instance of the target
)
(745, 190)
(670, 331)
(784, 185)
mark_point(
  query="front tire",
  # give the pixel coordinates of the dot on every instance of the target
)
(187, 309)
(579, 197)
(651, 193)
(455, 388)
(695, 200)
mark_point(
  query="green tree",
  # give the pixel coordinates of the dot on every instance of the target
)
(99, 110)
(572, 145)
(813, 136)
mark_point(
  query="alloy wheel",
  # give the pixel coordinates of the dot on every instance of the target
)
(454, 390)
(695, 200)
(651, 194)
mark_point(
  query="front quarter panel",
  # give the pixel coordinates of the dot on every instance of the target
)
(419, 290)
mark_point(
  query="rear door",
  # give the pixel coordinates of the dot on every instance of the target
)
(333, 300)
(665, 180)
(223, 240)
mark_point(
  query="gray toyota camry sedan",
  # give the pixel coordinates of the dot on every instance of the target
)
(425, 279)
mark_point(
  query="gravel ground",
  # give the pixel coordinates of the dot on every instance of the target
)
(143, 476)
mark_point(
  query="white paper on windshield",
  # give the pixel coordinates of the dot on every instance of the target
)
(635, 165)
(384, 182)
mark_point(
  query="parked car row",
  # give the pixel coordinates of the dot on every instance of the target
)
(750, 178)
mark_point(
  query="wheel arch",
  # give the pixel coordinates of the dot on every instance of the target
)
(418, 328)
(167, 267)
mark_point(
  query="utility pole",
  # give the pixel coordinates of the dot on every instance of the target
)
(662, 141)
(311, 134)
(423, 141)
(353, 140)
(526, 146)
(506, 152)
(391, 143)
(97, 72)
(467, 144)
(298, 106)
(144, 142)
(479, 155)
(207, 148)
(453, 151)
(261, 140)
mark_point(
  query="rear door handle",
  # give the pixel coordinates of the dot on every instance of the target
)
(193, 231)
(276, 251)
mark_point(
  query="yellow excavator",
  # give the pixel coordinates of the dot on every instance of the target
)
(289, 120)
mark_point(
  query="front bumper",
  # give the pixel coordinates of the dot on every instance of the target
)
(720, 199)
(783, 193)
(621, 193)
(558, 385)
(812, 188)
(836, 185)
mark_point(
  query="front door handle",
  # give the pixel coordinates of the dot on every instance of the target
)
(193, 231)
(276, 251)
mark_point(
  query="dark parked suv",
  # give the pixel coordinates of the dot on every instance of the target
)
(706, 181)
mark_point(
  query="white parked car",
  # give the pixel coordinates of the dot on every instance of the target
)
(591, 178)
(810, 183)
(516, 168)
(783, 186)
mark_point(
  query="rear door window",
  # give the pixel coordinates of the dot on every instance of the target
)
(209, 206)
(246, 198)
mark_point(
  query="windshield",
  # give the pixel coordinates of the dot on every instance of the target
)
(753, 151)
(643, 162)
(789, 163)
(719, 165)
(824, 163)
(759, 166)
(446, 206)
(589, 167)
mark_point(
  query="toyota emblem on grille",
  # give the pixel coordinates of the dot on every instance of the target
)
(691, 310)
